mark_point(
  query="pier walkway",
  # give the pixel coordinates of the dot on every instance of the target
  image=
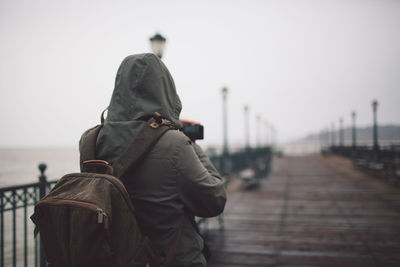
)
(311, 211)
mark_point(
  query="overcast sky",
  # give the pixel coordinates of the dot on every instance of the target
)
(299, 64)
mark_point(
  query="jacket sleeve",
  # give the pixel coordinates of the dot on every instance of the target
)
(200, 186)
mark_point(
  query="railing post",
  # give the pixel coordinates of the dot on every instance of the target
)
(42, 180)
(42, 192)
(2, 229)
(375, 130)
(333, 135)
(14, 222)
(341, 135)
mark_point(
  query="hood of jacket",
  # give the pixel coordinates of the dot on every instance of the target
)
(143, 86)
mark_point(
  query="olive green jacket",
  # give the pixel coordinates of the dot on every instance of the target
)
(175, 180)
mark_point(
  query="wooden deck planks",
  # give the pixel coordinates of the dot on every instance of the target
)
(311, 211)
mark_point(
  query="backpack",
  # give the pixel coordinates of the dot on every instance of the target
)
(88, 219)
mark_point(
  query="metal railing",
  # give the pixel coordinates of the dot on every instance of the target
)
(240, 160)
(257, 159)
(385, 160)
(12, 200)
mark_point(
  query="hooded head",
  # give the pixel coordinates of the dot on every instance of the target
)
(143, 86)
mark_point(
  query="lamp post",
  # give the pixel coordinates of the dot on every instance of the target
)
(267, 133)
(158, 44)
(375, 133)
(225, 121)
(353, 129)
(258, 119)
(273, 136)
(333, 135)
(246, 127)
(328, 136)
(341, 132)
(321, 139)
(225, 151)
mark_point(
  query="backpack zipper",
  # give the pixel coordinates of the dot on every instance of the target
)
(101, 215)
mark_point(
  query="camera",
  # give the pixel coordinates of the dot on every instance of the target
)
(194, 132)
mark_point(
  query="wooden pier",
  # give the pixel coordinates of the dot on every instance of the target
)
(311, 211)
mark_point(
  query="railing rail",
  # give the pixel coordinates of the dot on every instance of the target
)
(257, 159)
(384, 161)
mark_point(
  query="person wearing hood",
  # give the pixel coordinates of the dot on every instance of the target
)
(175, 181)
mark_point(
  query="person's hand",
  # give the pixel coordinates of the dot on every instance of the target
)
(187, 122)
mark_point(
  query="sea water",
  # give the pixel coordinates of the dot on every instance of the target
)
(20, 165)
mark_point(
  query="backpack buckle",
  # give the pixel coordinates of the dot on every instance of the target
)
(154, 125)
(156, 121)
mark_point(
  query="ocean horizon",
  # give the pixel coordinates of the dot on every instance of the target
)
(20, 165)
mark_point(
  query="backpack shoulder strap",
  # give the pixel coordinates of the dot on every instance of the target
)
(147, 137)
(144, 141)
(87, 144)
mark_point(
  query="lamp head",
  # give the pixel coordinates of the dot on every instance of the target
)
(224, 92)
(158, 44)
(374, 104)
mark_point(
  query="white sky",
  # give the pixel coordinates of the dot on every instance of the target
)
(300, 64)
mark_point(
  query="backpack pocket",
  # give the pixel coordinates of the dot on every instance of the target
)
(74, 233)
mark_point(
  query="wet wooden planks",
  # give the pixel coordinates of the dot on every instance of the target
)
(311, 211)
